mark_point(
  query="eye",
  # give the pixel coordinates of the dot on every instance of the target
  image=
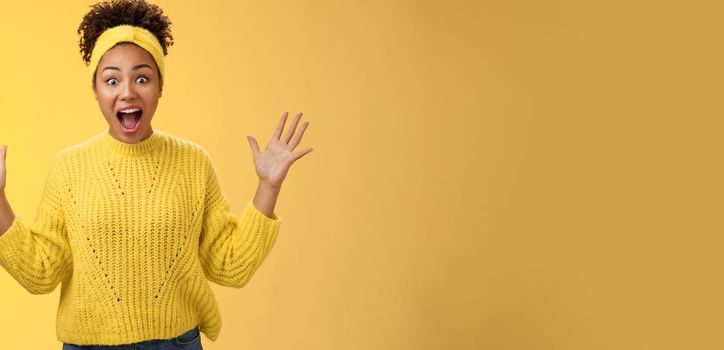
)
(112, 81)
(142, 80)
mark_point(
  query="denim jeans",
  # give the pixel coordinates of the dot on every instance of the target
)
(190, 340)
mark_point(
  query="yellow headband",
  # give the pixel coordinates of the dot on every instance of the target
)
(127, 33)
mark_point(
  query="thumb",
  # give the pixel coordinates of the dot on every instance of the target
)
(3, 152)
(252, 142)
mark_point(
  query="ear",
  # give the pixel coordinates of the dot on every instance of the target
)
(93, 87)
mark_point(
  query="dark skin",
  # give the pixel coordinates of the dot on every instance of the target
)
(127, 75)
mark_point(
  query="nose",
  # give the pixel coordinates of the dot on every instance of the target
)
(128, 91)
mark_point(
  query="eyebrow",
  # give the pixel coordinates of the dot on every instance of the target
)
(139, 66)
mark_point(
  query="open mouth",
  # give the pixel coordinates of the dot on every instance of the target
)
(130, 119)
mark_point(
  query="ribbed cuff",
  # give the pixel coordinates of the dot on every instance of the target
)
(8, 242)
(252, 212)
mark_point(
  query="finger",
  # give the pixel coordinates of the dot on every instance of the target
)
(293, 127)
(301, 154)
(280, 126)
(254, 145)
(298, 137)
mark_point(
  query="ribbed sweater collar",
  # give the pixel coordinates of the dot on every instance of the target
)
(131, 149)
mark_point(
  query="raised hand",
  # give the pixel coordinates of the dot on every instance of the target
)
(3, 152)
(273, 163)
(6, 212)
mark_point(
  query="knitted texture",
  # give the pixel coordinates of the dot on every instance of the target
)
(134, 232)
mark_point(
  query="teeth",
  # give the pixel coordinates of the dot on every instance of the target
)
(130, 110)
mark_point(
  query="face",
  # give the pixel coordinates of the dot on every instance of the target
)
(127, 80)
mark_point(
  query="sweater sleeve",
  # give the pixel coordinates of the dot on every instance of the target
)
(231, 248)
(38, 256)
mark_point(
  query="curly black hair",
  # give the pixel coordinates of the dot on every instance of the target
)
(111, 13)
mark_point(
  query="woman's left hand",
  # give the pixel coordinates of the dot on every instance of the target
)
(273, 163)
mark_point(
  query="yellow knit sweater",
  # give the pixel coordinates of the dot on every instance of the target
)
(134, 232)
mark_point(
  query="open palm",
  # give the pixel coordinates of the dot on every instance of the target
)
(273, 163)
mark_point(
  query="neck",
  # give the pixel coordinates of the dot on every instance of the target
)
(146, 145)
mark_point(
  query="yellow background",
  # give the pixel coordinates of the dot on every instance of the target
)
(485, 174)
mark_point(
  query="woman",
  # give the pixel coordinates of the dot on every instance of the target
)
(133, 221)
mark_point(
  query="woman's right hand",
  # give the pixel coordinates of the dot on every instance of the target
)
(3, 152)
(6, 213)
